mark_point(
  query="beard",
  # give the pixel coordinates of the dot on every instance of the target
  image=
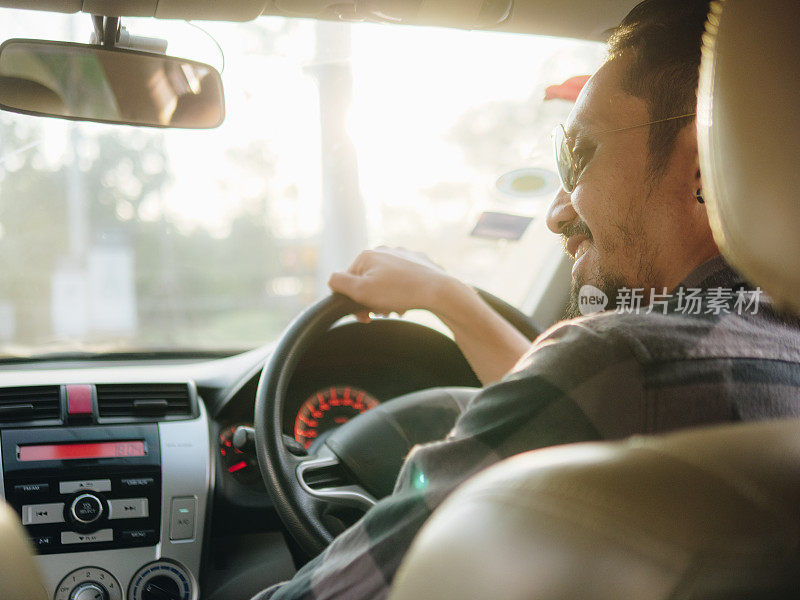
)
(605, 282)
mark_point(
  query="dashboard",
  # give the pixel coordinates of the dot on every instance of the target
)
(136, 480)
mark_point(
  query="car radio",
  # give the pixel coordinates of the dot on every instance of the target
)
(85, 488)
(111, 481)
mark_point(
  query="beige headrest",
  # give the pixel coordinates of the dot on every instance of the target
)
(749, 140)
(19, 575)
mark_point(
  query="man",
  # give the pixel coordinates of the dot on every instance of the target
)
(632, 216)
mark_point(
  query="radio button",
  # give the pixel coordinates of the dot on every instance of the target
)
(32, 489)
(181, 525)
(102, 535)
(43, 541)
(93, 485)
(129, 508)
(136, 483)
(138, 535)
(86, 508)
(38, 514)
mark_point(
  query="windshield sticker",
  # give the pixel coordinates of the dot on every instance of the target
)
(500, 226)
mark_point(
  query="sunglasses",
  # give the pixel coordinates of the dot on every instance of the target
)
(566, 165)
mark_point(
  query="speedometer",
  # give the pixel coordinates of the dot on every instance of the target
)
(329, 408)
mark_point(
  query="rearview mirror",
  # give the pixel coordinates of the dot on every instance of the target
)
(109, 85)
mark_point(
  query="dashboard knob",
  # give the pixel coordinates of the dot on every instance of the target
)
(244, 438)
(88, 583)
(86, 508)
(161, 580)
(89, 591)
(161, 587)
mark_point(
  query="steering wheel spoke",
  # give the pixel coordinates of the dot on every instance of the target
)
(324, 478)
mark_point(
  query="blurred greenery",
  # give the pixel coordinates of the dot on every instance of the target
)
(33, 234)
(192, 289)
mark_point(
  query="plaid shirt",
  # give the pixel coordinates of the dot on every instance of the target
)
(604, 376)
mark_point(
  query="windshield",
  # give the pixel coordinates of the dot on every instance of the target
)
(337, 137)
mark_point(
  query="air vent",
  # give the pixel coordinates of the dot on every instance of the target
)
(35, 403)
(144, 400)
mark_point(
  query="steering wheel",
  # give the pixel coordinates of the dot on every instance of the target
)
(346, 474)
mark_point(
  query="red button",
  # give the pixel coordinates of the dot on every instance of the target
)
(79, 399)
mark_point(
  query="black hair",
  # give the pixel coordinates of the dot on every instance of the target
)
(664, 39)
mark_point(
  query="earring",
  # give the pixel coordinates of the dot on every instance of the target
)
(699, 196)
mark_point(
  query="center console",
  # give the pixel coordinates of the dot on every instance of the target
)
(115, 507)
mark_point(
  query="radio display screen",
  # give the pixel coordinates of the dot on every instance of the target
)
(71, 451)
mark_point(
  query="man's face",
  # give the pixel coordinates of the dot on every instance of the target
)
(618, 223)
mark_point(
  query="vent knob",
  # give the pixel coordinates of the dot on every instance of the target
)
(89, 591)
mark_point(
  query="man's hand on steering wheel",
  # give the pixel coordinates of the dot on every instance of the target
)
(390, 280)
(395, 280)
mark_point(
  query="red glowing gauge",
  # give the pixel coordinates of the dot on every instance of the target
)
(329, 408)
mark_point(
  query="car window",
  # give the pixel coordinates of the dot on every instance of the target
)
(337, 137)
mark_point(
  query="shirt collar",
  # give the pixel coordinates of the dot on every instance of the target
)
(714, 272)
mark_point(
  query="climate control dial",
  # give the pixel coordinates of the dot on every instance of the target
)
(162, 580)
(89, 591)
(88, 583)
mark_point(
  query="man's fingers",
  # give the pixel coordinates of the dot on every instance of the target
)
(344, 283)
(362, 262)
